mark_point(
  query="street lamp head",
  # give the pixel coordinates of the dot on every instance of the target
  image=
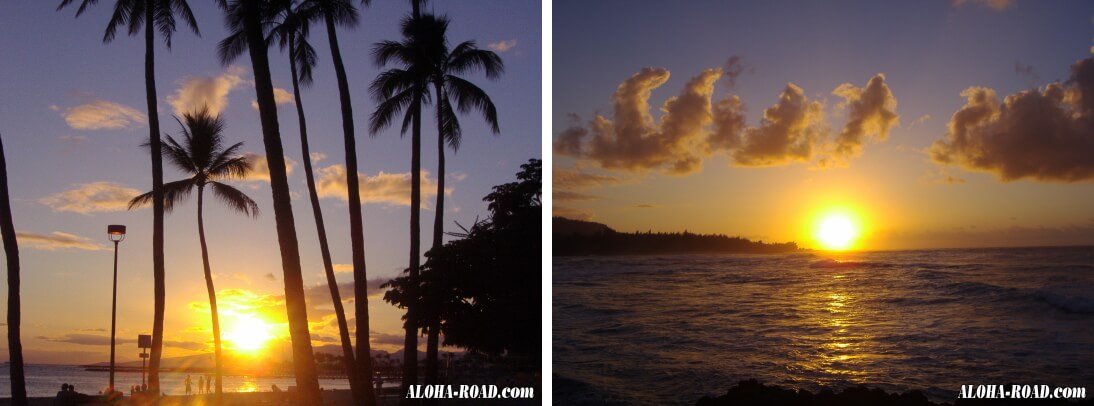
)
(115, 232)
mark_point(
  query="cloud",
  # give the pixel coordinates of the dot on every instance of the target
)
(73, 139)
(733, 68)
(1044, 134)
(570, 213)
(101, 114)
(87, 198)
(645, 206)
(788, 131)
(383, 188)
(691, 127)
(343, 268)
(56, 240)
(317, 156)
(1026, 70)
(260, 168)
(570, 140)
(634, 142)
(921, 119)
(87, 339)
(503, 46)
(270, 277)
(564, 178)
(871, 112)
(197, 92)
(281, 96)
(562, 195)
(997, 5)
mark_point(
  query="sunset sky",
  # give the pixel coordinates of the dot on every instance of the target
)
(933, 123)
(73, 116)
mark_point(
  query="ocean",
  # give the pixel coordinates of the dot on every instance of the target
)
(46, 380)
(669, 329)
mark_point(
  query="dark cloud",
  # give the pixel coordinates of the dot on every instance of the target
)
(319, 300)
(1044, 134)
(270, 277)
(570, 141)
(733, 68)
(564, 178)
(562, 195)
(1025, 70)
(729, 123)
(644, 206)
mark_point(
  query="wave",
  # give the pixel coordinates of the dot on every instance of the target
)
(1065, 301)
(834, 264)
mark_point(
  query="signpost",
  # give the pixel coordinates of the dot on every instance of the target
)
(144, 342)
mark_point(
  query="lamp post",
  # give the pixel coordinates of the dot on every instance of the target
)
(116, 233)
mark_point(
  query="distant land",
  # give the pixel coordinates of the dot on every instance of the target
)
(576, 237)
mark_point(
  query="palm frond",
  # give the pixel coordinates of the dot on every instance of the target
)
(470, 97)
(177, 155)
(126, 13)
(235, 199)
(231, 47)
(388, 109)
(449, 121)
(173, 193)
(466, 58)
(229, 165)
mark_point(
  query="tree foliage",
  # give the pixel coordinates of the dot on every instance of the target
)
(485, 287)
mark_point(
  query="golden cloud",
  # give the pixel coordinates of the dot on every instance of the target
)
(92, 197)
(502, 46)
(101, 114)
(55, 241)
(198, 92)
(383, 188)
(260, 168)
(281, 96)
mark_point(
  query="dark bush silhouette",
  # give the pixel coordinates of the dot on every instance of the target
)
(574, 237)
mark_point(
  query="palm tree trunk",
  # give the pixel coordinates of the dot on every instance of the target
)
(360, 394)
(212, 294)
(433, 341)
(356, 223)
(11, 249)
(159, 289)
(410, 344)
(307, 380)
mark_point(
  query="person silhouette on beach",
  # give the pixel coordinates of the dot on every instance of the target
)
(187, 382)
(208, 384)
(201, 384)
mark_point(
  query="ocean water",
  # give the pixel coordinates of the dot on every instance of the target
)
(46, 380)
(668, 329)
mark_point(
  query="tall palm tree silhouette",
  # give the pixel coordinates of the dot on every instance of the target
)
(447, 86)
(11, 249)
(202, 155)
(335, 13)
(291, 32)
(252, 18)
(152, 15)
(403, 90)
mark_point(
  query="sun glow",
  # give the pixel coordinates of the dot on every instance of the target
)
(249, 334)
(837, 230)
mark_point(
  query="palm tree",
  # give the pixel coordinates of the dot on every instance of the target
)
(399, 90)
(343, 13)
(11, 249)
(203, 157)
(292, 33)
(250, 17)
(464, 58)
(152, 15)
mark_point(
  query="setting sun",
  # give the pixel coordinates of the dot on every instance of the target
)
(249, 334)
(837, 231)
